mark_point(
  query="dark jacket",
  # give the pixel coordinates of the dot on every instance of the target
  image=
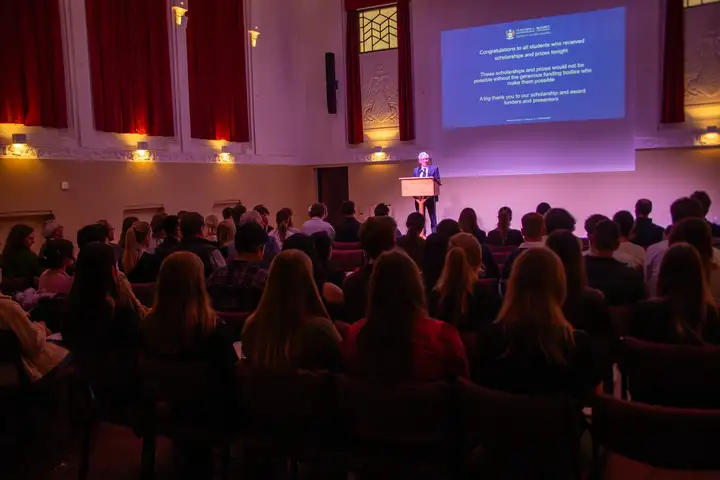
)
(647, 233)
(206, 250)
(21, 264)
(348, 230)
(146, 270)
(621, 285)
(514, 237)
(166, 247)
(355, 293)
(653, 322)
(482, 308)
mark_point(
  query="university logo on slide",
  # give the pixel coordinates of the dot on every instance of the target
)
(510, 34)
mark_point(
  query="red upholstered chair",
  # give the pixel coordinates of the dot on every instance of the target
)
(145, 292)
(520, 436)
(347, 260)
(235, 322)
(502, 248)
(663, 437)
(346, 246)
(671, 375)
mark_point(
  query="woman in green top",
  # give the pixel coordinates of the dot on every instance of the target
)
(18, 261)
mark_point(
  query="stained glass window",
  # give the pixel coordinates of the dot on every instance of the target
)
(378, 29)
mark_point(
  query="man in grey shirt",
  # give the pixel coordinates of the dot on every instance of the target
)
(318, 214)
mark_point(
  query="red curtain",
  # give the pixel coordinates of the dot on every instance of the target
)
(130, 66)
(32, 80)
(217, 41)
(673, 101)
(354, 87)
(406, 105)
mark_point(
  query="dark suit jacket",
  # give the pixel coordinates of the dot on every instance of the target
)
(621, 285)
(433, 171)
(647, 233)
(347, 230)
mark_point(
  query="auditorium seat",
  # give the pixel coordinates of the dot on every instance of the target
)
(346, 246)
(347, 260)
(235, 322)
(145, 293)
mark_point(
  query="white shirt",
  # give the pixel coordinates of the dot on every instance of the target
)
(635, 253)
(276, 234)
(423, 172)
(317, 224)
(653, 259)
(526, 245)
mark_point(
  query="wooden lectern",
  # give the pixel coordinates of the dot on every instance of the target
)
(420, 188)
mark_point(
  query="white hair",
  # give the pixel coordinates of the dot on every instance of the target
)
(251, 216)
(423, 155)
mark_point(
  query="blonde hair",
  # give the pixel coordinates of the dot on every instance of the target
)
(211, 225)
(532, 312)
(289, 300)
(138, 233)
(226, 231)
(181, 310)
(463, 263)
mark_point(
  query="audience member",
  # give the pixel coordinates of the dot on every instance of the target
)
(103, 310)
(211, 226)
(348, 230)
(138, 262)
(503, 234)
(646, 232)
(533, 231)
(697, 233)
(590, 224)
(704, 200)
(272, 248)
(57, 257)
(291, 329)
(97, 232)
(383, 210)
(620, 283)
(558, 219)
(684, 311)
(412, 242)
(171, 242)
(265, 215)
(237, 212)
(458, 298)
(39, 357)
(398, 341)
(681, 209)
(126, 224)
(317, 223)
(157, 225)
(377, 235)
(192, 228)
(584, 307)
(635, 253)
(436, 247)
(469, 224)
(52, 230)
(226, 236)
(18, 260)
(532, 348)
(227, 213)
(450, 228)
(183, 325)
(543, 208)
(239, 287)
(323, 268)
(285, 226)
(90, 236)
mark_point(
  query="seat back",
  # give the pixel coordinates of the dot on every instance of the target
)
(521, 436)
(145, 292)
(346, 246)
(235, 322)
(671, 375)
(347, 260)
(663, 437)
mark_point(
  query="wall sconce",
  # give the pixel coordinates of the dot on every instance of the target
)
(18, 148)
(254, 34)
(379, 155)
(711, 137)
(180, 13)
(143, 153)
(225, 156)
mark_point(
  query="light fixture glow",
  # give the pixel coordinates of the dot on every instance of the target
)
(19, 146)
(254, 34)
(379, 155)
(142, 154)
(180, 12)
(225, 156)
(711, 137)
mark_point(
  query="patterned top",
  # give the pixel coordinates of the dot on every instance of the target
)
(239, 287)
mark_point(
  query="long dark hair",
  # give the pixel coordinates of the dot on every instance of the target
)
(94, 293)
(396, 300)
(283, 219)
(568, 247)
(308, 246)
(16, 239)
(696, 232)
(468, 221)
(436, 247)
(126, 224)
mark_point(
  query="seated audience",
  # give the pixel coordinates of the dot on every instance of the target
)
(265, 215)
(377, 235)
(103, 311)
(239, 287)
(323, 268)
(348, 230)
(39, 357)
(398, 341)
(469, 224)
(684, 311)
(52, 230)
(192, 228)
(227, 213)
(158, 229)
(533, 231)
(412, 242)
(211, 226)
(110, 238)
(503, 234)
(18, 260)
(126, 224)
(57, 257)
(237, 212)
(646, 232)
(681, 209)
(436, 247)
(291, 329)
(226, 236)
(285, 226)
(458, 298)
(620, 283)
(704, 200)
(635, 253)
(139, 264)
(383, 210)
(450, 228)
(558, 219)
(318, 248)
(584, 307)
(183, 325)
(590, 224)
(97, 232)
(171, 242)
(543, 208)
(317, 223)
(697, 233)
(532, 348)
(272, 248)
